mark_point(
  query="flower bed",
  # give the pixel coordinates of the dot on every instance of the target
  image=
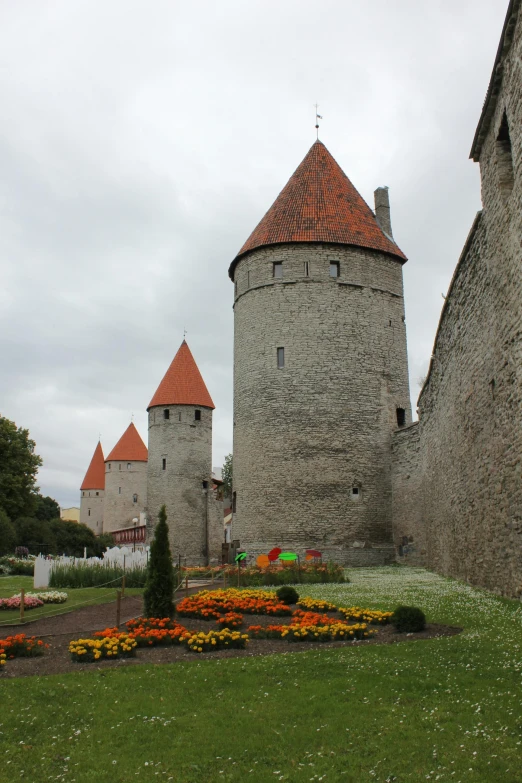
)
(230, 620)
(373, 616)
(149, 631)
(315, 605)
(215, 640)
(91, 650)
(20, 646)
(209, 605)
(30, 602)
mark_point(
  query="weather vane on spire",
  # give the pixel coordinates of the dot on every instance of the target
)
(184, 332)
(317, 118)
(132, 416)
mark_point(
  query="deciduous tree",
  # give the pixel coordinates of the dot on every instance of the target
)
(18, 468)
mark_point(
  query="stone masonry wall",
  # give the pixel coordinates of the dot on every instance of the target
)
(471, 405)
(409, 533)
(186, 445)
(91, 500)
(307, 435)
(123, 480)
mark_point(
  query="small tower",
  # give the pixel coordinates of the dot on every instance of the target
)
(125, 481)
(92, 493)
(320, 370)
(180, 462)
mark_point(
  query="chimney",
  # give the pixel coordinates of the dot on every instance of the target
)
(382, 210)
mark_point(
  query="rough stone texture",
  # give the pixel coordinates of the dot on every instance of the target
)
(91, 500)
(409, 533)
(307, 434)
(470, 408)
(119, 507)
(186, 445)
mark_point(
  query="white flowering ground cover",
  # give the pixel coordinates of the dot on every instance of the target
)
(446, 709)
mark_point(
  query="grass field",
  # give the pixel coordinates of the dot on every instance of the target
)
(87, 596)
(446, 709)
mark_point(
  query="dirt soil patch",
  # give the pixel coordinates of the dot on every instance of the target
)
(57, 632)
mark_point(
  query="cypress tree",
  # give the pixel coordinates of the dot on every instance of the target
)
(159, 585)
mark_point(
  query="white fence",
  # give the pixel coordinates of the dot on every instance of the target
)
(122, 556)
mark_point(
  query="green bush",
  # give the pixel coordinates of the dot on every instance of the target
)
(159, 587)
(287, 595)
(18, 567)
(292, 574)
(408, 619)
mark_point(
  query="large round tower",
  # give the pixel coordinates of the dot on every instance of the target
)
(180, 462)
(320, 370)
(92, 493)
(125, 482)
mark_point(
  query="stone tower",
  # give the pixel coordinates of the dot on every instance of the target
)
(92, 492)
(320, 370)
(125, 481)
(180, 462)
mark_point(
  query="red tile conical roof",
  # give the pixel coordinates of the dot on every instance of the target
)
(129, 448)
(319, 204)
(182, 384)
(95, 476)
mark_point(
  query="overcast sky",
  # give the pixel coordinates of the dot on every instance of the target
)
(141, 143)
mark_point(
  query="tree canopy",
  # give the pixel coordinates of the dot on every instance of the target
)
(226, 475)
(46, 508)
(18, 468)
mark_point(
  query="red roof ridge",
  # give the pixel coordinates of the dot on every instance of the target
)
(95, 476)
(129, 448)
(182, 384)
(319, 204)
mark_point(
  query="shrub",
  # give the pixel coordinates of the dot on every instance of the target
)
(159, 587)
(287, 595)
(408, 619)
(81, 574)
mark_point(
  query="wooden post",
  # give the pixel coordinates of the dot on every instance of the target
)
(123, 586)
(224, 580)
(124, 558)
(22, 596)
(186, 586)
(118, 608)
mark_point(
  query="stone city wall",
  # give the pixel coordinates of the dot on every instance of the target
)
(409, 533)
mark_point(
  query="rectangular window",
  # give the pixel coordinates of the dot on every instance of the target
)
(166, 414)
(197, 415)
(134, 498)
(129, 466)
(164, 464)
(277, 269)
(109, 465)
(179, 416)
(119, 490)
(205, 484)
(89, 513)
(119, 466)
(335, 269)
(280, 358)
(97, 494)
(306, 269)
(401, 417)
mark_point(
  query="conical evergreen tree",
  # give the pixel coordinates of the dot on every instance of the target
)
(159, 586)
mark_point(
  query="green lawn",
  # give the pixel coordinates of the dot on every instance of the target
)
(441, 710)
(86, 596)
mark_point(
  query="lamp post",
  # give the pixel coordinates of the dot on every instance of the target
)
(134, 522)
